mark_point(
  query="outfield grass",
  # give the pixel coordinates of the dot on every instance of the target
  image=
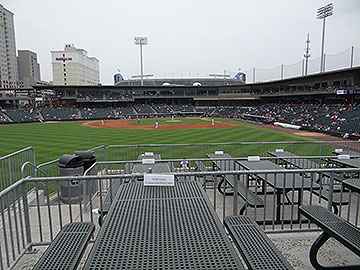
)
(51, 140)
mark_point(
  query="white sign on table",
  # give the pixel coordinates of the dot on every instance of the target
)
(343, 156)
(253, 158)
(338, 150)
(148, 161)
(279, 150)
(219, 152)
(158, 180)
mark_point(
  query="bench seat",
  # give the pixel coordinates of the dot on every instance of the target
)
(332, 226)
(250, 198)
(110, 196)
(66, 249)
(257, 250)
(336, 198)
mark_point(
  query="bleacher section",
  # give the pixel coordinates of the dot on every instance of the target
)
(97, 113)
(124, 111)
(183, 108)
(23, 115)
(143, 109)
(3, 118)
(60, 114)
(162, 108)
(336, 119)
(332, 119)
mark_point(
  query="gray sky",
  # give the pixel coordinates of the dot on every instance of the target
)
(186, 37)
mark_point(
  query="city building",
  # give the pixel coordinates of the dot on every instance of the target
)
(29, 69)
(72, 66)
(8, 62)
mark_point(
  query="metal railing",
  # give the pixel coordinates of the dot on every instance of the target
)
(174, 151)
(10, 166)
(27, 221)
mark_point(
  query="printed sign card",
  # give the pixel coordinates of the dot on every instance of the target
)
(148, 161)
(253, 158)
(158, 180)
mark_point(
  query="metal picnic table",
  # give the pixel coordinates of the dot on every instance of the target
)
(162, 227)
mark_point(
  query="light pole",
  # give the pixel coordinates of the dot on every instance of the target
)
(322, 13)
(141, 41)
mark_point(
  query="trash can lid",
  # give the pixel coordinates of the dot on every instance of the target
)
(85, 155)
(70, 161)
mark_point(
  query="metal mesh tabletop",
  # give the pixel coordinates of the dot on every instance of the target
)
(295, 160)
(162, 228)
(353, 163)
(287, 181)
(156, 168)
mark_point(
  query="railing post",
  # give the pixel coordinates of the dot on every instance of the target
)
(331, 190)
(26, 214)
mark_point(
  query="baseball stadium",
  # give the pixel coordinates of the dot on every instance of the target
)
(179, 174)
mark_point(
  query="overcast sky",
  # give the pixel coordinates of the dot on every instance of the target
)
(187, 37)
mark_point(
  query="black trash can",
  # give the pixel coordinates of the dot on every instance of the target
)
(71, 191)
(89, 159)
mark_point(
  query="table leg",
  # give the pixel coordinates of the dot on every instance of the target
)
(278, 205)
(321, 240)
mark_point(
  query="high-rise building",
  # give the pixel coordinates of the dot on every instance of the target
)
(72, 66)
(8, 63)
(29, 69)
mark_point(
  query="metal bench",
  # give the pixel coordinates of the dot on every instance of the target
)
(66, 249)
(353, 184)
(250, 198)
(336, 198)
(332, 226)
(200, 166)
(257, 250)
(110, 196)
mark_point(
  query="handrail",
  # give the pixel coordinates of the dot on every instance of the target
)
(32, 165)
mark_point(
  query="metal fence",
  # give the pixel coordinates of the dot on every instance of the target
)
(10, 166)
(30, 220)
(26, 226)
(178, 151)
(347, 59)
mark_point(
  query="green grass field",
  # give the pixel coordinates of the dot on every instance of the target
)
(51, 140)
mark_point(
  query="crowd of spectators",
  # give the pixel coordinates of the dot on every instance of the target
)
(336, 119)
(328, 118)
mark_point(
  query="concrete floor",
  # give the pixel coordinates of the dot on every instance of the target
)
(293, 245)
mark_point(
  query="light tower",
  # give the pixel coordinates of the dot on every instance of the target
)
(141, 41)
(322, 13)
(307, 54)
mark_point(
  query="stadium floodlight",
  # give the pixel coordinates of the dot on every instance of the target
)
(322, 13)
(141, 41)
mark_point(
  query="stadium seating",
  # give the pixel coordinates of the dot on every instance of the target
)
(59, 114)
(183, 108)
(144, 109)
(4, 119)
(23, 115)
(97, 113)
(334, 119)
(162, 108)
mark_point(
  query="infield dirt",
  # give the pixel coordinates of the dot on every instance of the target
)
(127, 124)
